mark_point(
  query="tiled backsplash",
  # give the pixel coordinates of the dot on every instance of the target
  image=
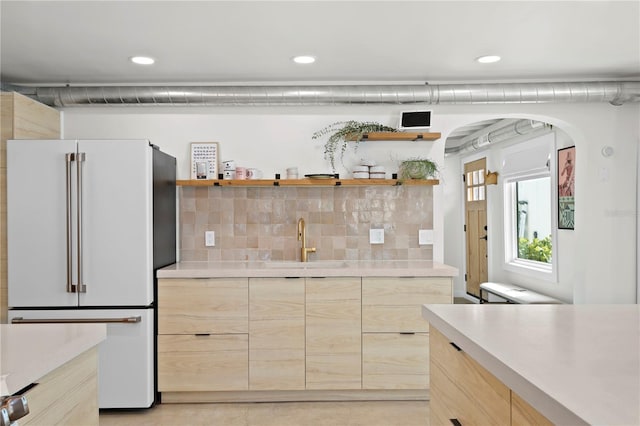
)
(261, 223)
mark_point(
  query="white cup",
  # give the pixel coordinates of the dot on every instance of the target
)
(229, 165)
(229, 174)
(254, 174)
(241, 173)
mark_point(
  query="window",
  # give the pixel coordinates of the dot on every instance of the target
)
(529, 209)
(533, 224)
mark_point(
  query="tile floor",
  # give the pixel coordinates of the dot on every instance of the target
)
(371, 413)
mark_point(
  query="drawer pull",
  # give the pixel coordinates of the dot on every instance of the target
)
(455, 422)
(409, 333)
(456, 346)
(203, 334)
(126, 320)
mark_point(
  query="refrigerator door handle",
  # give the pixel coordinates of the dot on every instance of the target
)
(126, 320)
(71, 288)
(80, 157)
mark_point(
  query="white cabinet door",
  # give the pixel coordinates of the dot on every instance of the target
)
(117, 255)
(37, 223)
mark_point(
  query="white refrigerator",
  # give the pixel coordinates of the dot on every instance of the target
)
(88, 224)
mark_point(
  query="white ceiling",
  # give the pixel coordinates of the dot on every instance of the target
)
(209, 42)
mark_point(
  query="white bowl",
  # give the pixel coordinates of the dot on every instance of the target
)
(360, 169)
(367, 162)
(377, 169)
(377, 175)
(361, 175)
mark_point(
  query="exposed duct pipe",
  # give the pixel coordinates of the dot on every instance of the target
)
(616, 93)
(511, 130)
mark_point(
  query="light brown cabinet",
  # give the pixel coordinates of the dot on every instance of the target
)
(333, 326)
(276, 333)
(523, 414)
(463, 390)
(66, 396)
(196, 306)
(207, 362)
(391, 304)
(22, 118)
(395, 361)
(203, 341)
(395, 340)
(295, 334)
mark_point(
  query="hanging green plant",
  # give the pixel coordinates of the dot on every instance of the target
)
(343, 131)
(418, 168)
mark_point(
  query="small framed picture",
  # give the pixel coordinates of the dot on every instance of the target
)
(204, 160)
(566, 187)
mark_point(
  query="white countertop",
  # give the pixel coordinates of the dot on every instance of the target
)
(576, 364)
(330, 268)
(30, 351)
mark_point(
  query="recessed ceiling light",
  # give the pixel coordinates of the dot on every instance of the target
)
(142, 60)
(489, 59)
(304, 59)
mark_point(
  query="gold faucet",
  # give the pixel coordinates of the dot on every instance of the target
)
(302, 236)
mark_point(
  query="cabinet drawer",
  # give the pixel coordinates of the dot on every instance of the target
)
(214, 305)
(203, 363)
(462, 389)
(395, 361)
(394, 304)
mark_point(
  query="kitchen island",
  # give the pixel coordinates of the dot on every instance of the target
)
(293, 331)
(572, 364)
(55, 367)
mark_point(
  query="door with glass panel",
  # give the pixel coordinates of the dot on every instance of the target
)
(475, 213)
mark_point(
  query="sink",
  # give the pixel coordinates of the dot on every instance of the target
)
(292, 264)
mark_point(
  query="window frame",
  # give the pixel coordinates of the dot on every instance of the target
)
(540, 270)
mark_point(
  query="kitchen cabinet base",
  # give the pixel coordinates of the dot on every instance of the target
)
(297, 396)
(66, 396)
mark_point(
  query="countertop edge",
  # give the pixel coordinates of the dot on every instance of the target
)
(35, 367)
(253, 270)
(546, 405)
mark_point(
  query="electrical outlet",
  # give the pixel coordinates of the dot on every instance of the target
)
(425, 236)
(376, 236)
(209, 238)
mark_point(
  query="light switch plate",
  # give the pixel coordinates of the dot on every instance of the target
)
(210, 238)
(376, 236)
(425, 236)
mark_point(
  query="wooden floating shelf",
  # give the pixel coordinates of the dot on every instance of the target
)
(308, 182)
(399, 136)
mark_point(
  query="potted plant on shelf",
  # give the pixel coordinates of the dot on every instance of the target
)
(418, 168)
(343, 131)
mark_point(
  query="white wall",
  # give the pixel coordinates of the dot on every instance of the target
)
(597, 260)
(598, 263)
